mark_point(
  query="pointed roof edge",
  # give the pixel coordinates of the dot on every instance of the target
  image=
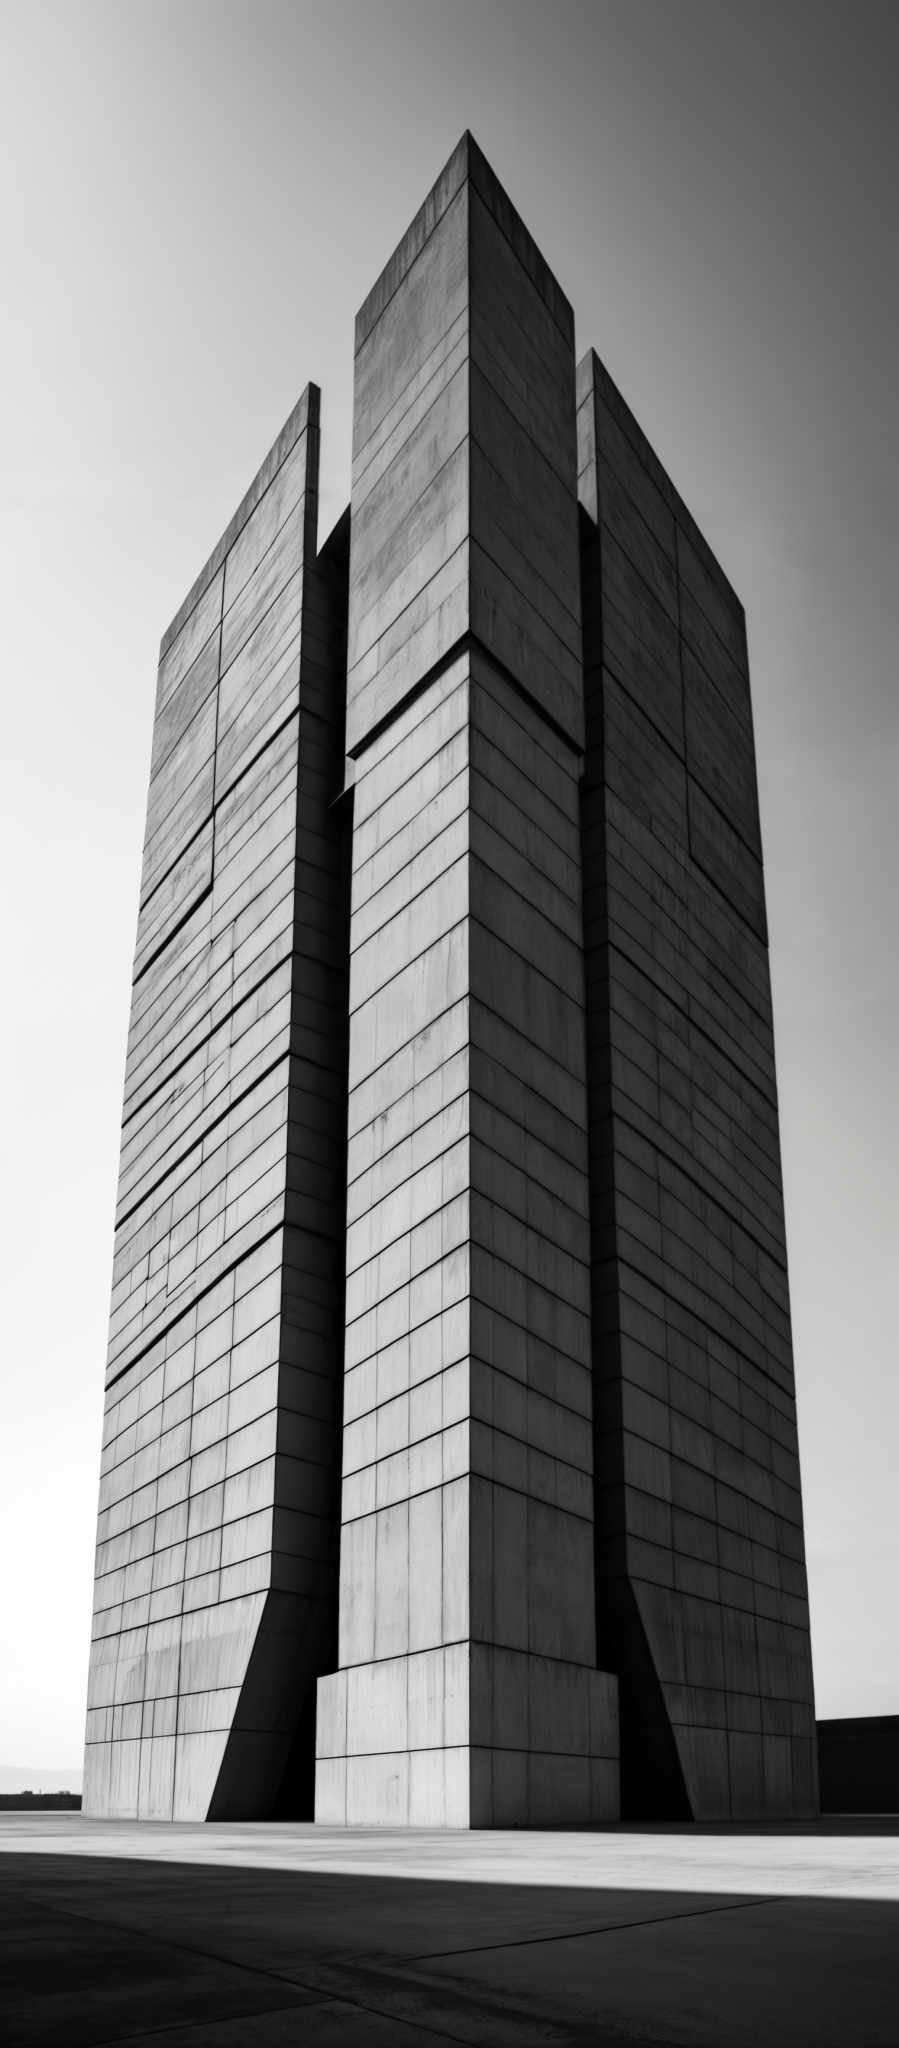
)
(467, 164)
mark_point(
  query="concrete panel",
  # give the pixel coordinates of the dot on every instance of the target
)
(699, 1511)
(218, 1482)
(451, 1049)
(467, 1500)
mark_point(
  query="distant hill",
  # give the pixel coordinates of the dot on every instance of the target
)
(39, 1778)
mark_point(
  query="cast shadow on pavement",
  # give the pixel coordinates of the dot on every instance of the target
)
(159, 1954)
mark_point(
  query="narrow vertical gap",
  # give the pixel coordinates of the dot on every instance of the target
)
(652, 1783)
(326, 579)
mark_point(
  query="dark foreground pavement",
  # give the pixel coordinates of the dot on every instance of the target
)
(182, 1937)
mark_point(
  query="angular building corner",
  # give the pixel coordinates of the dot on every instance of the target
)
(216, 1540)
(450, 1411)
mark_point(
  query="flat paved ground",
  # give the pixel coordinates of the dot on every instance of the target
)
(292, 1937)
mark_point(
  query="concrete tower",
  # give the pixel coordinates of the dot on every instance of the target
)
(450, 1393)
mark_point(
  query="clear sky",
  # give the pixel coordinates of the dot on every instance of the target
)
(196, 198)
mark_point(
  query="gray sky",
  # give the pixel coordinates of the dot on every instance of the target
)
(196, 197)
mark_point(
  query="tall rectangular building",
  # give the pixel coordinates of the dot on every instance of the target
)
(703, 1603)
(214, 1601)
(450, 1396)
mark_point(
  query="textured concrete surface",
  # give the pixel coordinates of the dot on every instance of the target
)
(467, 1692)
(450, 1176)
(703, 1598)
(214, 1591)
(255, 1935)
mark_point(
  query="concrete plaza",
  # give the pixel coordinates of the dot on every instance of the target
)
(274, 1935)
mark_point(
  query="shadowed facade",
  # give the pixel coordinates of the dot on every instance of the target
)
(703, 1602)
(450, 1236)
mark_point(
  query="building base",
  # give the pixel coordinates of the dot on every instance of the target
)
(468, 1736)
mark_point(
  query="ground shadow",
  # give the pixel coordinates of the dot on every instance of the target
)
(99, 1949)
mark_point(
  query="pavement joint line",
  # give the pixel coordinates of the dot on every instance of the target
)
(433, 1956)
(735, 1905)
(250, 1969)
(175, 2026)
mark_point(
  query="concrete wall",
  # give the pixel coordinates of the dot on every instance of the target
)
(858, 1760)
(215, 1554)
(703, 1600)
(467, 1690)
(532, 1201)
